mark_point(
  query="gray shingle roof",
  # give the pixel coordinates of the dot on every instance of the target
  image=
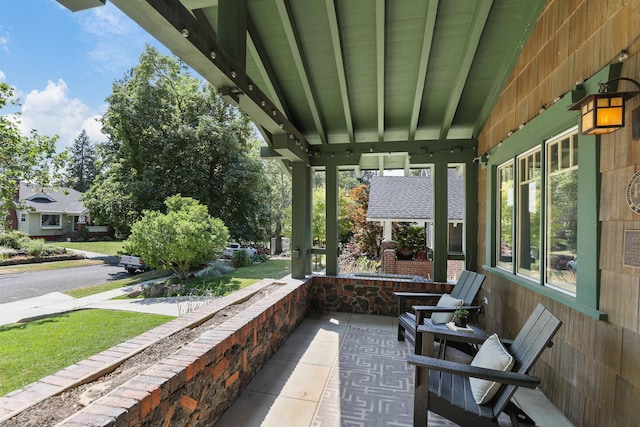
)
(59, 200)
(410, 198)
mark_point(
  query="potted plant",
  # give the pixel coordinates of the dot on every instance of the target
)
(461, 317)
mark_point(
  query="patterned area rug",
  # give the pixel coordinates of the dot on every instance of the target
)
(372, 385)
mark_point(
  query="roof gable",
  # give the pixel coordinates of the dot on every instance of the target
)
(60, 200)
(410, 198)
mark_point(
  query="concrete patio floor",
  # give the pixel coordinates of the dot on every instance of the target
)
(340, 369)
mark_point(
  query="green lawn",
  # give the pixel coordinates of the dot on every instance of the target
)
(242, 277)
(107, 248)
(103, 287)
(39, 348)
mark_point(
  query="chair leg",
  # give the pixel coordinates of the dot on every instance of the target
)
(517, 415)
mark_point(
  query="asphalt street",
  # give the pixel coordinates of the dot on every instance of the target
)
(19, 286)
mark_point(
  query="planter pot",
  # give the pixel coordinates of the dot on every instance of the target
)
(460, 322)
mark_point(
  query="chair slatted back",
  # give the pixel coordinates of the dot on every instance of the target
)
(533, 338)
(467, 286)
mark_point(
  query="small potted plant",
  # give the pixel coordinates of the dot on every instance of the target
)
(461, 317)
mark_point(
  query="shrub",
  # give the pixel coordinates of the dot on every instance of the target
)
(240, 259)
(14, 239)
(215, 269)
(183, 238)
(35, 247)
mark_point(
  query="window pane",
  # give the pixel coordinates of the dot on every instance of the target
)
(50, 220)
(562, 219)
(505, 217)
(528, 254)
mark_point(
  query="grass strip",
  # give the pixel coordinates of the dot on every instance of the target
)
(100, 247)
(33, 350)
(129, 281)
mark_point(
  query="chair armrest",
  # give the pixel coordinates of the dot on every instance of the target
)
(437, 309)
(442, 332)
(403, 296)
(513, 378)
(417, 294)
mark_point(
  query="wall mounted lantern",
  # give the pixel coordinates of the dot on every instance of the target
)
(603, 112)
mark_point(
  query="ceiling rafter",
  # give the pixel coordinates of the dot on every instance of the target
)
(303, 71)
(478, 21)
(427, 39)
(258, 52)
(380, 31)
(337, 53)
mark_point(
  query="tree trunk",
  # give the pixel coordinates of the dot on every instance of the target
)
(278, 237)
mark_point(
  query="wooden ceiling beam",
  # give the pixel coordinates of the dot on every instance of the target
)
(380, 52)
(480, 15)
(427, 40)
(334, 30)
(295, 46)
(268, 74)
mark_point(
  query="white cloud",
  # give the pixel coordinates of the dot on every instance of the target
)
(3, 76)
(51, 113)
(116, 41)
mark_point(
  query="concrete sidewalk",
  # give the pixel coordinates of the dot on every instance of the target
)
(57, 302)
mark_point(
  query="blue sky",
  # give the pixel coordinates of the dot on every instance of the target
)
(62, 64)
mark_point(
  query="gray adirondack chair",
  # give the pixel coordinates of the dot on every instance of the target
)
(442, 386)
(466, 289)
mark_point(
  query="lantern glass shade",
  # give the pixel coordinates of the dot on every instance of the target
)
(602, 113)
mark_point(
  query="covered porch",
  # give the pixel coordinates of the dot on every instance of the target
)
(339, 369)
(484, 85)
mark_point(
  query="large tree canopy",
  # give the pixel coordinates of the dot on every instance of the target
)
(31, 158)
(171, 134)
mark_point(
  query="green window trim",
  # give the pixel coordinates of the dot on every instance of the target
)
(555, 120)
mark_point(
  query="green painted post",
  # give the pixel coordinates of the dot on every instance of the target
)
(440, 220)
(300, 221)
(332, 202)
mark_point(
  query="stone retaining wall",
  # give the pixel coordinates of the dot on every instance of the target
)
(371, 295)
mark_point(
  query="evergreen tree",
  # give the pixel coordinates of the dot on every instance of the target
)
(82, 170)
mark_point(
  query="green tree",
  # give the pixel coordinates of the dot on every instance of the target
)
(183, 238)
(82, 169)
(367, 234)
(280, 201)
(319, 218)
(30, 158)
(169, 134)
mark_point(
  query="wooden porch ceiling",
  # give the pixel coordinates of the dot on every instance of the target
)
(358, 83)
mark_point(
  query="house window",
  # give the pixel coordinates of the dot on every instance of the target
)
(505, 216)
(50, 221)
(23, 217)
(561, 227)
(455, 237)
(528, 211)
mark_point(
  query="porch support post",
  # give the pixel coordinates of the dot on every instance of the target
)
(301, 221)
(332, 202)
(471, 216)
(440, 221)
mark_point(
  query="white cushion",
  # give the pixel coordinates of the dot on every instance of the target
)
(492, 355)
(445, 300)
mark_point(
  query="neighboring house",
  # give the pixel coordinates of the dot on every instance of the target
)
(51, 214)
(410, 199)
